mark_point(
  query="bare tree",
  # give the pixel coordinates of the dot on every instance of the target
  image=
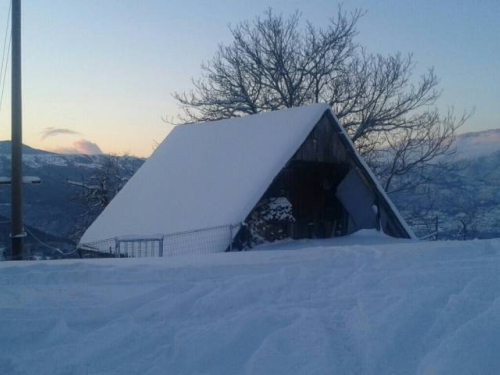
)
(413, 156)
(97, 191)
(271, 65)
(274, 63)
(469, 216)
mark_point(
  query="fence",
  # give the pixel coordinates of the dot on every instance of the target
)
(200, 241)
(425, 228)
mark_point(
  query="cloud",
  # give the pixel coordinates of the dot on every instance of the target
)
(86, 147)
(82, 146)
(52, 132)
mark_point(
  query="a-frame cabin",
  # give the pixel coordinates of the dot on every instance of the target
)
(218, 174)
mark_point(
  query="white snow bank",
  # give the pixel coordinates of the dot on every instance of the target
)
(361, 237)
(400, 308)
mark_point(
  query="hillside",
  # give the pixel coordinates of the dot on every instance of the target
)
(52, 207)
(478, 144)
(466, 197)
(468, 194)
(400, 308)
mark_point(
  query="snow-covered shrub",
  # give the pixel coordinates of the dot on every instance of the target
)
(270, 220)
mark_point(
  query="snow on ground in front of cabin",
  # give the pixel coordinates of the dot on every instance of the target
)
(380, 308)
(362, 237)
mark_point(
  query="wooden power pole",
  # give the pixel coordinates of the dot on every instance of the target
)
(17, 230)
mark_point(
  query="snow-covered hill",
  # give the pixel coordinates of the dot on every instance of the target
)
(34, 158)
(476, 144)
(400, 308)
(52, 207)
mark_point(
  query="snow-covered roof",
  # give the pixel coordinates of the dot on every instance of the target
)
(205, 175)
(213, 174)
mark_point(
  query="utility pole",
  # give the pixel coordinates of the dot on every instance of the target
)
(17, 230)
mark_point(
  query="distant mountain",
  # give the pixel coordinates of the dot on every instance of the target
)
(477, 144)
(466, 199)
(6, 147)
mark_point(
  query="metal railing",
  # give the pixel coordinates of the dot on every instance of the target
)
(199, 241)
(426, 228)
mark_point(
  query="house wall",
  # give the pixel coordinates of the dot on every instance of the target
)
(323, 145)
(325, 158)
(309, 182)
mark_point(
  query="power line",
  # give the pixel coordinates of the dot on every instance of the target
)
(43, 243)
(6, 33)
(47, 245)
(40, 241)
(5, 74)
(4, 59)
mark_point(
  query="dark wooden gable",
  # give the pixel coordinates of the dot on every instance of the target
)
(323, 145)
(309, 181)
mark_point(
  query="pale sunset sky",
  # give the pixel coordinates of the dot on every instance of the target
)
(102, 71)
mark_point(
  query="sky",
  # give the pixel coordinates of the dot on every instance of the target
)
(99, 75)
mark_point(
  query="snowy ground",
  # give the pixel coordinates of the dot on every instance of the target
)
(384, 308)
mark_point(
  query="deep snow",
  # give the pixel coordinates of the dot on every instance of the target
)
(387, 307)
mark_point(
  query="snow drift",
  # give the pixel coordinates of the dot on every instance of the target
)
(392, 308)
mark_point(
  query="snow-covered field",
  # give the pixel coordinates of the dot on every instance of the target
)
(384, 308)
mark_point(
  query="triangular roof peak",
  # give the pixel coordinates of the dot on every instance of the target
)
(205, 175)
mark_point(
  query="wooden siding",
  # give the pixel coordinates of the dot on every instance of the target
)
(327, 156)
(323, 145)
